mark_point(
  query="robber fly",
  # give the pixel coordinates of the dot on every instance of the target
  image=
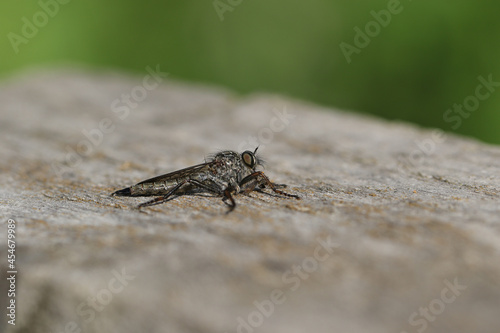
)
(225, 174)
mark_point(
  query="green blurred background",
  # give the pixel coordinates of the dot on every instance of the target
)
(426, 59)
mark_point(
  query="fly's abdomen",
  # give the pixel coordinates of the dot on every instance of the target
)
(146, 189)
(150, 188)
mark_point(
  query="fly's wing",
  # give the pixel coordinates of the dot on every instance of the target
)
(158, 185)
(179, 174)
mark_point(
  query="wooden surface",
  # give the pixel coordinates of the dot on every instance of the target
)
(398, 229)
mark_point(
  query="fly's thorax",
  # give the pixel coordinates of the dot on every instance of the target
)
(229, 167)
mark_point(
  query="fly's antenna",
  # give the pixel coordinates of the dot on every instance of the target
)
(260, 160)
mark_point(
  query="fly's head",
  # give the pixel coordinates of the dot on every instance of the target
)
(250, 159)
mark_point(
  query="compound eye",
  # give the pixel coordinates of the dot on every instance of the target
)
(248, 158)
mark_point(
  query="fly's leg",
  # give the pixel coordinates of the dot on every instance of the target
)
(165, 197)
(228, 195)
(260, 180)
(210, 188)
(276, 185)
(232, 188)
